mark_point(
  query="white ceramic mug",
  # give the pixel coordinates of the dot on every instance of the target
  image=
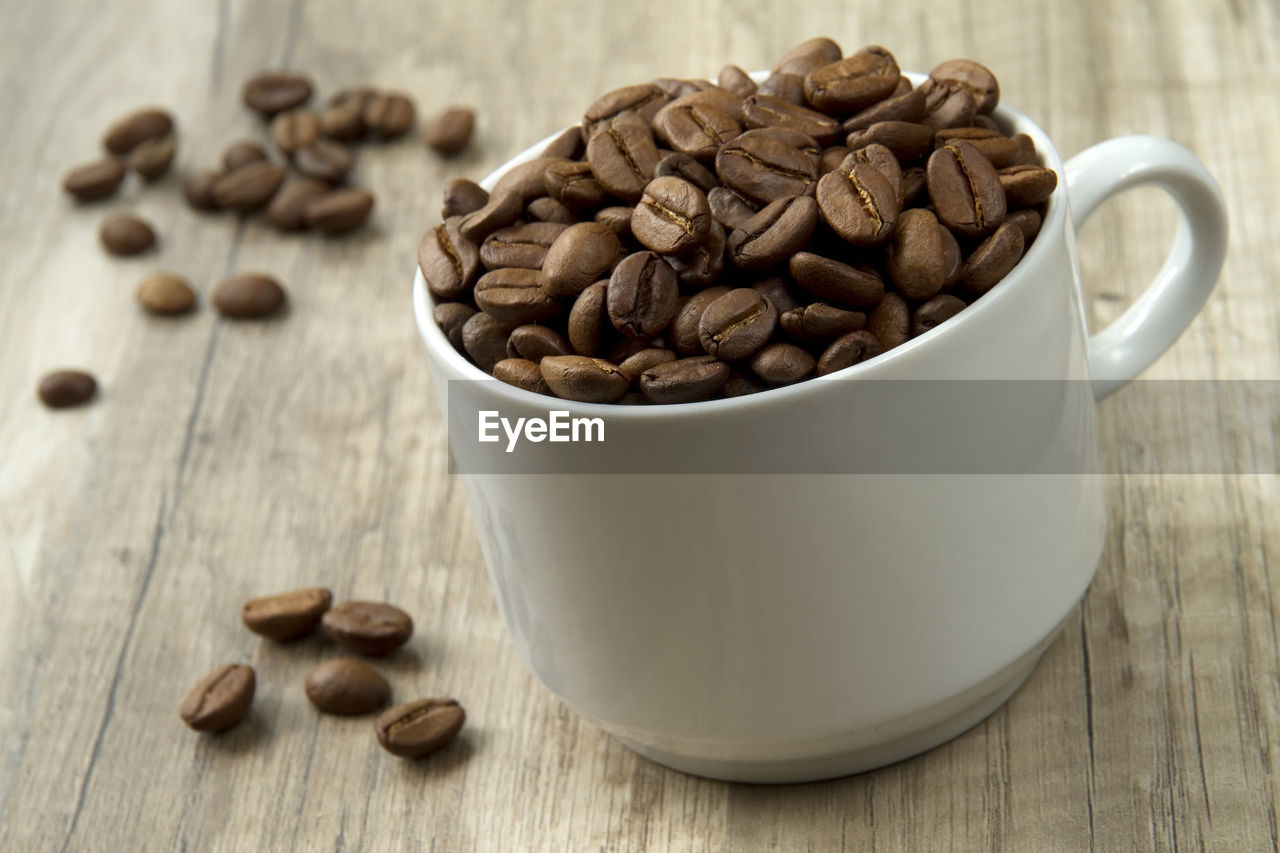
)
(777, 627)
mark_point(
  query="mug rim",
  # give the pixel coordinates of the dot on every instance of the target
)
(1019, 277)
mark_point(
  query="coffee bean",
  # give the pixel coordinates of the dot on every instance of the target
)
(677, 165)
(853, 83)
(623, 156)
(737, 324)
(923, 257)
(782, 364)
(677, 87)
(287, 210)
(484, 339)
(617, 219)
(588, 319)
(883, 161)
(198, 189)
(965, 190)
(762, 168)
(523, 246)
(994, 145)
(736, 80)
(937, 310)
(248, 296)
(818, 49)
(61, 389)
(776, 291)
(164, 293)
(907, 140)
(502, 209)
(1026, 186)
(1028, 222)
(1027, 155)
(371, 628)
(695, 129)
(833, 281)
(672, 218)
(339, 211)
(136, 128)
(152, 159)
(271, 92)
(574, 185)
(389, 114)
(769, 111)
(974, 76)
(784, 86)
(993, 259)
(831, 158)
(126, 234)
(324, 160)
(450, 131)
(642, 295)
(683, 332)
(450, 263)
(417, 729)
(947, 104)
(527, 180)
(343, 117)
(728, 208)
(515, 296)
(775, 233)
(985, 121)
(914, 186)
(741, 384)
(286, 615)
(705, 264)
(848, 350)
(248, 187)
(579, 256)
(819, 321)
(644, 100)
(547, 209)
(220, 700)
(294, 129)
(685, 380)
(908, 106)
(346, 686)
(890, 321)
(534, 343)
(585, 379)
(451, 317)
(242, 153)
(522, 373)
(92, 181)
(637, 363)
(858, 202)
(569, 144)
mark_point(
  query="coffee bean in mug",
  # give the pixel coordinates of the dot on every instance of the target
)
(672, 218)
(61, 389)
(96, 180)
(451, 317)
(516, 296)
(579, 256)
(136, 128)
(935, 312)
(737, 324)
(286, 615)
(249, 296)
(346, 686)
(450, 131)
(848, 350)
(522, 373)
(417, 729)
(220, 700)
(371, 628)
(583, 378)
(272, 92)
(152, 159)
(450, 262)
(685, 380)
(484, 339)
(126, 234)
(339, 211)
(642, 295)
(165, 294)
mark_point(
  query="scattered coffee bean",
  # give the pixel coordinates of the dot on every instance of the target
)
(706, 264)
(248, 296)
(126, 234)
(198, 189)
(617, 219)
(92, 181)
(369, 627)
(287, 210)
(994, 145)
(450, 131)
(324, 160)
(286, 615)
(242, 153)
(249, 187)
(463, 196)
(775, 289)
(417, 729)
(343, 117)
(947, 104)
(1028, 222)
(685, 380)
(272, 92)
(907, 140)
(136, 128)
(220, 700)
(62, 389)
(346, 686)
(522, 373)
(583, 378)
(152, 159)
(785, 86)
(388, 114)
(165, 293)
(293, 129)
(339, 211)
(908, 106)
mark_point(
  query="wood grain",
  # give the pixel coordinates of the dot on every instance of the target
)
(226, 460)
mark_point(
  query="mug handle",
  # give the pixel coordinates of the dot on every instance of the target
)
(1150, 325)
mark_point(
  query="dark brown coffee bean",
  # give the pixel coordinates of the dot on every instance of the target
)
(136, 128)
(1027, 155)
(974, 76)
(741, 384)
(617, 219)
(637, 363)
(248, 187)
(643, 99)
(339, 211)
(220, 700)
(286, 615)
(1028, 222)
(623, 348)
(853, 83)
(1027, 186)
(582, 378)
(778, 231)
(737, 324)
(776, 291)
(736, 80)
(623, 157)
(522, 373)
(287, 210)
(346, 686)
(819, 322)
(642, 295)
(677, 165)
(371, 628)
(947, 105)
(820, 48)
(728, 208)
(705, 264)
(92, 181)
(848, 350)
(271, 92)
(985, 121)
(782, 364)
(450, 263)
(859, 202)
(686, 380)
(588, 319)
(294, 129)
(908, 141)
(242, 153)
(833, 281)
(60, 389)
(324, 160)
(890, 321)
(152, 159)
(451, 317)
(768, 111)
(484, 339)
(390, 114)
(683, 332)
(923, 257)
(695, 129)
(579, 256)
(993, 259)
(534, 343)
(343, 117)
(164, 293)
(198, 189)
(547, 209)
(568, 145)
(126, 234)
(672, 218)
(524, 246)
(785, 87)
(515, 296)
(450, 131)
(914, 187)
(762, 168)
(884, 161)
(574, 185)
(248, 296)
(832, 158)
(995, 146)
(417, 729)
(909, 106)
(527, 180)
(937, 310)
(501, 210)
(965, 190)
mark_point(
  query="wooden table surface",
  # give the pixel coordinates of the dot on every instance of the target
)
(224, 460)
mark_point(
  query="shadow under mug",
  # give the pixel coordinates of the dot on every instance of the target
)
(781, 625)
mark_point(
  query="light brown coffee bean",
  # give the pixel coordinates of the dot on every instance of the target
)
(737, 324)
(164, 293)
(579, 256)
(271, 92)
(524, 246)
(642, 295)
(686, 380)
(502, 209)
(346, 686)
(516, 296)
(527, 180)
(294, 129)
(782, 363)
(220, 700)
(736, 80)
(695, 129)
(637, 363)
(339, 211)
(937, 310)
(672, 218)
(286, 615)
(890, 321)
(371, 628)
(993, 259)
(463, 196)
(588, 319)
(994, 145)
(947, 104)
(1027, 186)
(583, 378)
(450, 131)
(152, 159)
(343, 117)
(388, 114)
(451, 317)
(643, 99)
(241, 153)
(198, 189)
(60, 389)
(288, 209)
(248, 187)
(769, 111)
(833, 281)
(774, 234)
(965, 190)
(574, 185)
(819, 322)
(417, 729)
(1028, 222)
(908, 106)
(760, 166)
(784, 86)
(859, 202)
(974, 76)
(484, 339)
(923, 257)
(848, 350)
(569, 144)
(522, 373)
(534, 342)
(907, 140)
(853, 83)
(324, 160)
(623, 156)
(450, 263)
(92, 181)
(249, 296)
(683, 332)
(818, 49)
(136, 128)
(126, 234)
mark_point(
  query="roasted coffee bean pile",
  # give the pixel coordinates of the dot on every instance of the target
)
(345, 686)
(692, 240)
